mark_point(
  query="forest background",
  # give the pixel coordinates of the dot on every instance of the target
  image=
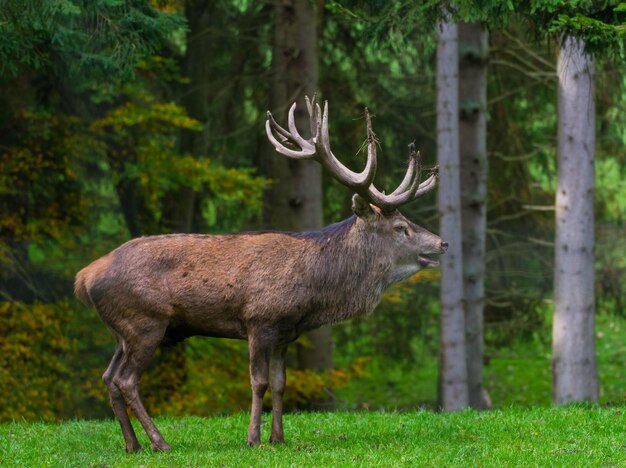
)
(121, 119)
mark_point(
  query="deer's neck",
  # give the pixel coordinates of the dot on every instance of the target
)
(350, 271)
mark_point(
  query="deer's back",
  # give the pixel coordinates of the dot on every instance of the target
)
(202, 284)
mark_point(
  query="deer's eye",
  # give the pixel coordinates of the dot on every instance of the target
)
(401, 228)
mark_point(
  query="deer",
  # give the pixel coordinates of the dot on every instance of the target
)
(266, 287)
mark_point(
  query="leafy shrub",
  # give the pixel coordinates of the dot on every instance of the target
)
(35, 381)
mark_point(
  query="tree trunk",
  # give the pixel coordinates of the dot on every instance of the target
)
(179, 204)
(170, 363)
(573, 350)
(453, 366)
(473, 50)
(294, 201)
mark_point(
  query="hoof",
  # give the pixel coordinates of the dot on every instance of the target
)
(134, 448)
(253, 443)
(277, 440)
(161, 447)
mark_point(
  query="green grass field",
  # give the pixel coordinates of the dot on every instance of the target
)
(571, 436)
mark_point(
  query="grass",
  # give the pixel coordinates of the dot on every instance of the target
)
(569, 436)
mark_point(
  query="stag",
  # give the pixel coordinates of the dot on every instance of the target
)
(264, 287)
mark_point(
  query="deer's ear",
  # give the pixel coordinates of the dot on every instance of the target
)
(361, 207)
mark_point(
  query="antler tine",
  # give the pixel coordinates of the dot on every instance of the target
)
(409, 189)
(413, 172)
(306, 145)
(318, 148)
(307, 151)
(358, 181)
(280, 130)
(313, 109)
(405, 190)
(429, 183)
(318, 122)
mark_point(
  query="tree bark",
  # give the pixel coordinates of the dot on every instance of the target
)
(453, 366)
(179, 204)
(473, 50)
(573, 350)
(170, 363)
(294, 201)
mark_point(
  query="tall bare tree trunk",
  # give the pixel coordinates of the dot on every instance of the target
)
(169, 371)
(573, 349)
(473, 50)
(453, 366)
(179, 204)
(294, 201)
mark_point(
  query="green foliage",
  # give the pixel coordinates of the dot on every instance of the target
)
(403, 328)
(161, 383)
(71, 348)
(140, 139)
(571, 436)
(520, 373)
(517, 370)
(388, 384)
(387, 82)
(217, 381)
(611, 192)
(397, 347)
(601, 23)
(610, 348)
(34, 381)
(91, 130)
(38, 182)
(49, 365)
(87, 113)
(81, 38)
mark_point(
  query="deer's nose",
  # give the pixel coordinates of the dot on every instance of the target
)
(444, 246)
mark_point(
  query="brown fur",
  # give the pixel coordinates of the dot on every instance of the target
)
(264, 287)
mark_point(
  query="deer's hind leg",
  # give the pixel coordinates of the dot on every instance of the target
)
(137, 352)
(117, 401)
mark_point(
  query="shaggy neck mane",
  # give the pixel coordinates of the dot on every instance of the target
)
(350, 269)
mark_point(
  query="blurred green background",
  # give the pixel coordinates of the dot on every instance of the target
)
(92, 123)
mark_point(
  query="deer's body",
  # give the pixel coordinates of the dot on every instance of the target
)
(264, 287)
(219, 285)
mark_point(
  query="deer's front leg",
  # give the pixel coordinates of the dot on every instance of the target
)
(277, 381)
(260, 352)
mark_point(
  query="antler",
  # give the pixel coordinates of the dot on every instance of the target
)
(318, 148)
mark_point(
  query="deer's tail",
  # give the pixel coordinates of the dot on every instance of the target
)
(80, 287)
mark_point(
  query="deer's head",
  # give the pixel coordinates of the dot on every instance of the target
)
(408, 243)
